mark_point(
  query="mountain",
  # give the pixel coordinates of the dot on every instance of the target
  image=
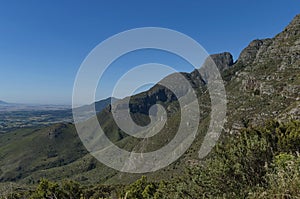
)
(87, 111)
(3, 102)
(267, 81)
(98, 106)
(223, 60)
(263, 84)
(14, 116)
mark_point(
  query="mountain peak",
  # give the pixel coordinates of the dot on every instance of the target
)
(292, 30)
(257, 47)
(222, 60)
(295, 22)
(249, 54)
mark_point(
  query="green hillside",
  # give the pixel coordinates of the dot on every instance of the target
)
(262, 85)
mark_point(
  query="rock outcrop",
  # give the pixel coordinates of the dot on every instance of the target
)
(268, 81)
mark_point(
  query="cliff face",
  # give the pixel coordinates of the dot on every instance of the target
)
(283, 47)
(263, 83)
(141, 103)
(223, 60)
(269, 82)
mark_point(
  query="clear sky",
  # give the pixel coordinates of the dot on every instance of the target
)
(43, 42)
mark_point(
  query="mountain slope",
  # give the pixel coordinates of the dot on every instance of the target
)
(98, 106)
(87, 111)
(269, 81)
(3, 102)
(262, 84)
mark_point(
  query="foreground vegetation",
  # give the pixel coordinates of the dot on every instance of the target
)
(258, 162)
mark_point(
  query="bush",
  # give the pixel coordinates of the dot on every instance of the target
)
(141, 189)
(283, 178)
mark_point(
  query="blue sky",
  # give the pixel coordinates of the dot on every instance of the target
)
(43, 43)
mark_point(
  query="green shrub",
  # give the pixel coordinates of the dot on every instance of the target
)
(283, 178)
(141, 189)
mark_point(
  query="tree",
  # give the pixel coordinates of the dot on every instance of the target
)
(47, 190)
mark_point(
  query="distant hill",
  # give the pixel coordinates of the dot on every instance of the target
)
(10, 107)
(3, 102)
(87, 111)
(99, 105)
(14, 116)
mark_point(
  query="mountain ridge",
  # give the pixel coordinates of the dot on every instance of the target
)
(261, 85)
(3, 102)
